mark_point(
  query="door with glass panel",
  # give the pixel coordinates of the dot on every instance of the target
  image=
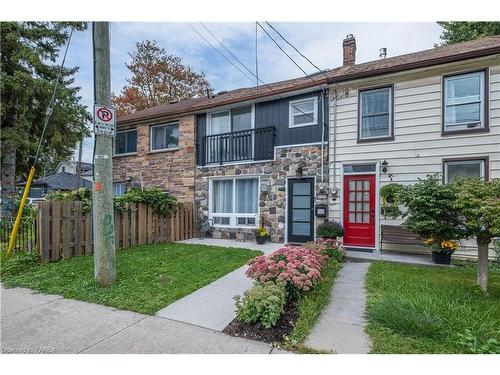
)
(359, 210)
(300, 210)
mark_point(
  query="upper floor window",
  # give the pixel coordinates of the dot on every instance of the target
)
(375, 114)
(303, 112)
(464, 168)
(464, 102)
(232, 120)
(126, 142)
(165, 136)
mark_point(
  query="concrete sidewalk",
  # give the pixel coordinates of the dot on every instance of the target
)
(39, 323)
(213, 305)
(340, 327)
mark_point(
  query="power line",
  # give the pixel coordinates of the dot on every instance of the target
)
(295, 48)
(219, 52)
(254, 74)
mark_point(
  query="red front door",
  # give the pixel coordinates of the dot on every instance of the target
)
(359, 210)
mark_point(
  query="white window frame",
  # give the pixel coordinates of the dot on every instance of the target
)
(360, 114)
(291, 116)
(125, 153)
(233, 217)
(211, 113)
(481, 161)
(124, 187)
(151, 136)
(464, 126)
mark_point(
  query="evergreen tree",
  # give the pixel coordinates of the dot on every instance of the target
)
(455, 32)
(29, 68)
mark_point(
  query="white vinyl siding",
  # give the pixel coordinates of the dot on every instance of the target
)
(418, 148)
(303, 112)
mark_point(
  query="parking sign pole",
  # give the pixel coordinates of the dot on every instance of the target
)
(102, 193)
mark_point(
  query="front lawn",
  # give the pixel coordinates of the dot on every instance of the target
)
(419, 309)
(149, 277)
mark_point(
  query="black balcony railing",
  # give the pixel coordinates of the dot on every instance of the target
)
(252, 144)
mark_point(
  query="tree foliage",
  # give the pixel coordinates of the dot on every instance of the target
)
(430, 209)
(158, 78)
(455, 32)
(29, 69)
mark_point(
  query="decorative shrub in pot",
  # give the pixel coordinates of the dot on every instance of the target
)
(441, 250)
(261, 235)
(330, 229)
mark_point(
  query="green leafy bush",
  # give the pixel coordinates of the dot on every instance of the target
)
(17, 263)
(330, 229)
(472, 344)
(390, 200)
(264, 303)
(83, 195)
(163, 202)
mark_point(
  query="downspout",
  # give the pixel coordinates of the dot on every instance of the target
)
(334, 182)
(323, 135)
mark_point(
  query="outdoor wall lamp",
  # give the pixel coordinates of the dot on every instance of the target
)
(384, 166)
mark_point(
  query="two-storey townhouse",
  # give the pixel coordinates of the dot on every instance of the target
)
(402, 118)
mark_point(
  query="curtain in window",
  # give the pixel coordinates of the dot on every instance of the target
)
(472, 168)
(158, 134)
(375, 113)
(222, 201)
(246, 196)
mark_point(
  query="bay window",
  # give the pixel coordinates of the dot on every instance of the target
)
(234, 202)
(464, 102)
(375, 114)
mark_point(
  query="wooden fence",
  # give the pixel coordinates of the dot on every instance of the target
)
(65, 231)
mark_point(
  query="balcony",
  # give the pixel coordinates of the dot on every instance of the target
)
(244, 145)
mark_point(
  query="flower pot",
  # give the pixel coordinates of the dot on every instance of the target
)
(441, 258)
(260, 239)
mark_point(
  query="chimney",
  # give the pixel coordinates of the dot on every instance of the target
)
(349, 46)
(382, 53)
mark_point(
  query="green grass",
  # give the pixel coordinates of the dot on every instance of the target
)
(419, 309)
(310, 306)
(149, 277)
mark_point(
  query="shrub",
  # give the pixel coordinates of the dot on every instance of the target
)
(163, 202)
(330, 229)
(329, 247)
(17, 263)
(80, 195)
(264, 303)
(390, 200)
(298, 267)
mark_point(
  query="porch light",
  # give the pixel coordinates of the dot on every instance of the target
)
(384, 166)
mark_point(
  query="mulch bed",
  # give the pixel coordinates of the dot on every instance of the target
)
(276, 334)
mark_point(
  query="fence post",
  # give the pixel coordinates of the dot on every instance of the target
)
(44, 230)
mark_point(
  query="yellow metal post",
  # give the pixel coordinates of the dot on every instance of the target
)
(13, 235)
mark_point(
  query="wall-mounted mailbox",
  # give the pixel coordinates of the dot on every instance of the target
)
(321, 210)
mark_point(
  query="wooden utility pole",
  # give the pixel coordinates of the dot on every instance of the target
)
(103, 210)
(79, 165)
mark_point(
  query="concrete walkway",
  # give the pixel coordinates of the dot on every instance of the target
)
(39, 323)
(340, 327)
(424, 259)
(213, 305)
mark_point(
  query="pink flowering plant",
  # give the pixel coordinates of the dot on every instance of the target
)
(299, 267)
(329, 247)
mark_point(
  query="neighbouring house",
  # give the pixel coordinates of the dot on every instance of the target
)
(71, 166)
(62, 181)
(402, 118)
(297, 151)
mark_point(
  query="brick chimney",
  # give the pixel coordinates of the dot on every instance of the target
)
(349, 46)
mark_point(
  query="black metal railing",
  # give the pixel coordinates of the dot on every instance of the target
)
(252, 144)
(26, 234)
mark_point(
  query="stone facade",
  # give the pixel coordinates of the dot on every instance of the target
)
(272, 192)
(169, 170)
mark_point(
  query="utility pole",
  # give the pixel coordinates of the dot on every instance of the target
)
(102, 193)
(79, 165)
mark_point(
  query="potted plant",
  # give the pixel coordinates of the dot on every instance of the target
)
(261, 234)
(441, 250)
(330, 229)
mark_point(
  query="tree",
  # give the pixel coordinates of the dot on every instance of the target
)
(478, 202)
(430, 209)
(455, 32)
(28, 74)
(158, 78)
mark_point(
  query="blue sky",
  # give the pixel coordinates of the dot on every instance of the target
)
(319, 41)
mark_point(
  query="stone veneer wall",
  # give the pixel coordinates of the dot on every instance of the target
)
(273, 174)
(172, 170)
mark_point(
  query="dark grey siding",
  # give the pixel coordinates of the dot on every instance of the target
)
(201, 129)
(276, 113)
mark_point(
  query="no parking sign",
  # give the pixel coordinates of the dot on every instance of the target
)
(104, 120)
